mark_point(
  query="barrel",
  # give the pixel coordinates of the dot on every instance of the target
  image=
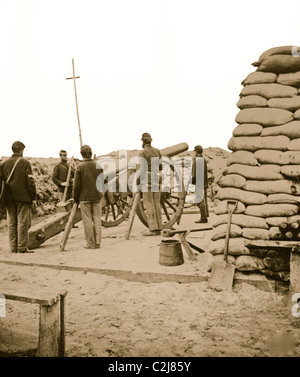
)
(170, 253)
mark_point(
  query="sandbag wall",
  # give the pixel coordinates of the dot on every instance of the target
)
(263, 169)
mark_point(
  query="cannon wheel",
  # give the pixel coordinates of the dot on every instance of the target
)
(114, 214)
(171, 202)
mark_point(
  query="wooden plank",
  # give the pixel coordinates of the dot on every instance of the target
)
(270, 243)
(186, 246)
(46, 297)
(48, 228)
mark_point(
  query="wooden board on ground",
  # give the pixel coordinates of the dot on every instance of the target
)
(49, 227)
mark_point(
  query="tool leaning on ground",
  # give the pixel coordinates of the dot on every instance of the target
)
(183, 233)
(222, 273)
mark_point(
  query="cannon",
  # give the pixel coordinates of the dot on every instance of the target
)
(116, 204)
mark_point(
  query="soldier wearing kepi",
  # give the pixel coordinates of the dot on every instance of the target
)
(86, 194)
(150, 164)
(21, 191)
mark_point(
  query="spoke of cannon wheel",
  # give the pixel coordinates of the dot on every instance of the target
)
(113, 211)
(124, 201)
(106, 213)
(165, 210)
(171, 206)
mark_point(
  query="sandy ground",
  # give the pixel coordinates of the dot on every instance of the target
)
(111, 313)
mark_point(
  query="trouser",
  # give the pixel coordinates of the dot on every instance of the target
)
(19, 222)
(151, 202)
(203, 206)
(91, 220)
(61, 194)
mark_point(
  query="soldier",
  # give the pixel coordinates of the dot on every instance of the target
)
(150, 185)
(201, 188)
(86, 194)
(60, 173)
(21, 191)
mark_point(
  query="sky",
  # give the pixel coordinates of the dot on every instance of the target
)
(172, 68)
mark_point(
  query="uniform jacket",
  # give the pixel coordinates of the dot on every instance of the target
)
(84, 187)
(60, 174)
(146, 176)
(21, 186)
(204, 172)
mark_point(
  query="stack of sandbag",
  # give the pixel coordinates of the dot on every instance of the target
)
(263, 170)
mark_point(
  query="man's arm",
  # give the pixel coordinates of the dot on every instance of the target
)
(55, 179)
(30, 181)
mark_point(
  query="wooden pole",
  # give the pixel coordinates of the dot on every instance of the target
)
(76, 101)
(137, 197)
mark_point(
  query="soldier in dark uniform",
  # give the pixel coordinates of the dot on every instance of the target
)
(60, 173)
(21, 191)
(149, 182)
(199, 178)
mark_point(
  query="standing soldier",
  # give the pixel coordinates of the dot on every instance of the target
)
(21, 191)
(149, 173)
(60, 173)
(86, 194)
(199, 178)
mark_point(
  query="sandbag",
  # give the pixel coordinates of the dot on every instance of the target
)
(274, 187)
(219, 258)
(269, 210)
(246, 197)
(236, 246)
(267, 156)
(243, 221)
(291, 79)
(274, 233)
(280, 64)
(248, 263)
(294, 145)
(260, 78)
(220, 231)
(264, 116)
(277, 157)
(255, 233)
(291, 130)
(269, 90)
(221, 207)
(263, 172)
(242, 157)
(232, 180)
(246, 102)
(297, 115)
(280, 50)
(283, 198)
(291, 171)
(291, 104)
(255, 143)
(247, 129)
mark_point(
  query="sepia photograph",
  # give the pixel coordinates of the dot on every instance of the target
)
(149, 181)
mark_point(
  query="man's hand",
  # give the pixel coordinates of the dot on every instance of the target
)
(65, 184)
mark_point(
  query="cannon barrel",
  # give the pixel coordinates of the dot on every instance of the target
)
(111, 168)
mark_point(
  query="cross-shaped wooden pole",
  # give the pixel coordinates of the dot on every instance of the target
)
(73, 78)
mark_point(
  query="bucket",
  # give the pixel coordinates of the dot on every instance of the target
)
(170, 253)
